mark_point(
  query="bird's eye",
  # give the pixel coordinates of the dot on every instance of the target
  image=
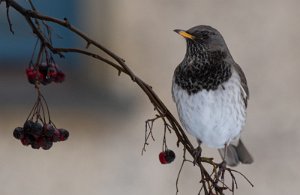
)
(205, 34)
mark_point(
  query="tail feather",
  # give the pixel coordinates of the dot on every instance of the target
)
(236, 154)
(244, 156)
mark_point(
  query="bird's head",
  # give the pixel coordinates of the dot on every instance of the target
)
(203, 37)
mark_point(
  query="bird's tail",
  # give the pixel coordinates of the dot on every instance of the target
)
(236, 154)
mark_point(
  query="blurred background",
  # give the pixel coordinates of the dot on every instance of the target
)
(105, 113)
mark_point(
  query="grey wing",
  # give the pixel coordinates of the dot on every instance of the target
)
(173, 82)
(243, 83)
(172, 88)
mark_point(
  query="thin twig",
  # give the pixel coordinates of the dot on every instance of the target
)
(181, 166)
(8, 19)
(243, 176)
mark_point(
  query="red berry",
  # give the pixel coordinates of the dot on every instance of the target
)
(52, 72)
(41, 141)
(34, 75)
(45, 73)
(166, 157)
(162, 158)
(60, 77)
(31, 76)
(25, 141)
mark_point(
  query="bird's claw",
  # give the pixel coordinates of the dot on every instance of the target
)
(196, 154)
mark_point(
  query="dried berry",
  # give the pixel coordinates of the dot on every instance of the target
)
(47, 145)
(35, 145)
(27, 126)
(43, 68)
(36, 129)
(48, 130)
(40, 135)
(56, 136)
(64, 134)
(18, 133)
(170, 156)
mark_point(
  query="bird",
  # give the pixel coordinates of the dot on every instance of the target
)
(211, 94)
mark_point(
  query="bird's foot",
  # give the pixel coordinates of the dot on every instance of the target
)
(223, 165)
(197, 154)
(222, 168)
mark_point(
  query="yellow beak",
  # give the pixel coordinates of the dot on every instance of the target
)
(184, 34)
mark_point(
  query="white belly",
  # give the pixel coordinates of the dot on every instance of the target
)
(214, 117)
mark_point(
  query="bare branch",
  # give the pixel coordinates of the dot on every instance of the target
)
(212, 182)
(75, 50)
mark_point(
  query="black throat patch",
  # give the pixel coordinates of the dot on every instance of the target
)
(203, 72)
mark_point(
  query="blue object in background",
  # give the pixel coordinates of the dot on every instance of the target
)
(19, 46)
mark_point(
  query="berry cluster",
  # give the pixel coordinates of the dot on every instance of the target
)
(38, 135)
(44, 73)
(167, 156)
(38, 130)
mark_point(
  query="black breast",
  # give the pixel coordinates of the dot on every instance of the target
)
(205, 72)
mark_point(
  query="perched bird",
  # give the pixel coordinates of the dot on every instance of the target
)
(211, 93)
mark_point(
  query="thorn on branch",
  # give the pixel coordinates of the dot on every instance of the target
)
(88, 44)
(67, 22)
(178, 142)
